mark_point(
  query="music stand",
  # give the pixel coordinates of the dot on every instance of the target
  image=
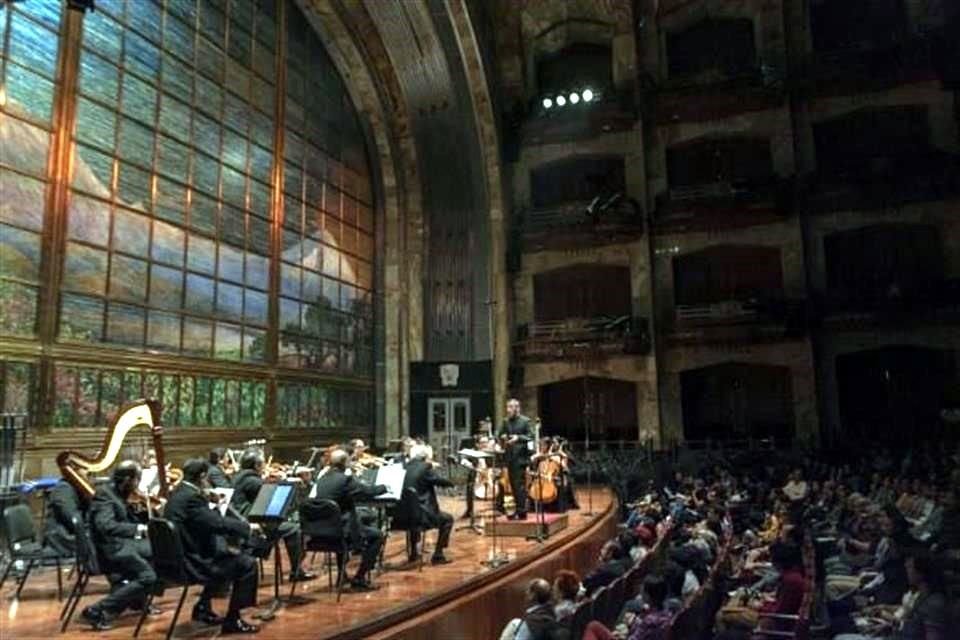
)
(474, 457)
(271, 508)
(496, 559)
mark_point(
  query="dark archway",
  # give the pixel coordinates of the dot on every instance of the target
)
(608, 406)
(728, 272)
(894, 394)
(884, 266)
(582, 291)
(735, 400)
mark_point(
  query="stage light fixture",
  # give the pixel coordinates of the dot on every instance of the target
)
(561, 101)
(587, 95)
(574, 98)
(547, 103)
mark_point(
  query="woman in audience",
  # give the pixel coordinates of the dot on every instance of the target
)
(566, 589)
(646, 620)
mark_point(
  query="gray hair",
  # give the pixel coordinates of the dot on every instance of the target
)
(419, 452)
(338, 458)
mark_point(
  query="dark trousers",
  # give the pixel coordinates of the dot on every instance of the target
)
(443, 523)
(132, 565)
(518, 484)
(471, 487)
(241, 571)
(369, 541)
(290, 532)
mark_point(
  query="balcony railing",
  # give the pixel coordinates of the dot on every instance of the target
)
(578, 216)
(577, 337)
(739, 321)
(725, 202)
(939, 304)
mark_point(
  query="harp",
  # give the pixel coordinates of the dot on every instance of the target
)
(140, 413)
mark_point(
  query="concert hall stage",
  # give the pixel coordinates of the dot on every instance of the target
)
(461, 600)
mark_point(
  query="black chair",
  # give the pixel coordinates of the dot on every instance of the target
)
(170, 564)
(616, 598)
(581, 617)
(21, 535)
(409, 516)
(88, 566)
(598, 603)
(321, 524)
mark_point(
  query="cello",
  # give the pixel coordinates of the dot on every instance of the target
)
(542, 480)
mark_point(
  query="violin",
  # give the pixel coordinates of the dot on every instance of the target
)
(145, 504)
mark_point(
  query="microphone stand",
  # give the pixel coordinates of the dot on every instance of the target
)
(496, 558)
(588, 457)
(539, 515)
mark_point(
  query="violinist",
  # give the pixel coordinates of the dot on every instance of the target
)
(219, 466)
(344, 489)
(424, 481)
(66, 510)
(246, 486)
(119, 535)
(202, 530)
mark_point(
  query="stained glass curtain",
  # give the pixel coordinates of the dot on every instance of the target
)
(168, 222)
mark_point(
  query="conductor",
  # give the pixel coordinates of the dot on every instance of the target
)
(518, 433)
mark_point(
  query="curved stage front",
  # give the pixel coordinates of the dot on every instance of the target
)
(461, 600)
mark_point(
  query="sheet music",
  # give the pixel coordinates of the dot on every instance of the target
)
(148, 480)
(225, 496)
(391, 476)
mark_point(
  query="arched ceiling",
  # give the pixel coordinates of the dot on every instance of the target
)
(416, 56)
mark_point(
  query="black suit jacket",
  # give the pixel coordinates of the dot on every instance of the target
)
(64, 507)
(201, 528)
(604, 574)
(217, 478)
(246, 486)
(519, 426)
(113, 523)
(421, 477)
(345, 491)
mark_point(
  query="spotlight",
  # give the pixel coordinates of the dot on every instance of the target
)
(587, 95)
(561, 101)
(574, 98)
(547, 103)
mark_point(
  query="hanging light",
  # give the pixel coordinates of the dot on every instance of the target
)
(547, 103)
(587, 95)
(574, 98)
(561, 101)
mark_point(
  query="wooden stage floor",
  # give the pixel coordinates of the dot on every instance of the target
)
(405, 597)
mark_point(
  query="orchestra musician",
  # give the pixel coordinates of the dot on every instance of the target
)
(119, 535)
(421, 477)
(202, 531)
(345, 489)
(479, 467)
(66, 510)
(517, 431)
(246, 486)
(217, 475)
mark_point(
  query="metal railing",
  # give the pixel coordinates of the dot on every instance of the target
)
(573, 336)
